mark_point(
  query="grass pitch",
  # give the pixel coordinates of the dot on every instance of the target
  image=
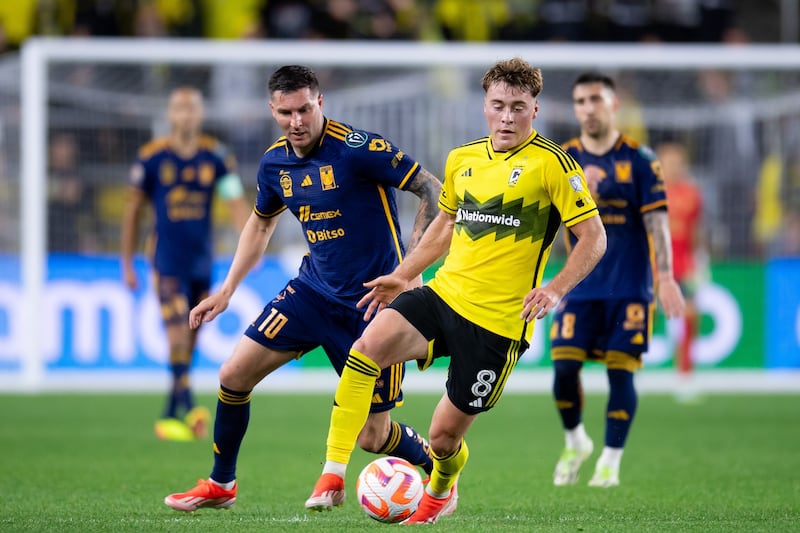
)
(92, 463)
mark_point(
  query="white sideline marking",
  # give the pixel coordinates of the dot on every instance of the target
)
(432, 381)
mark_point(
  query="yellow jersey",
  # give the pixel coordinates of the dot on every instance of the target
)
(508, 207)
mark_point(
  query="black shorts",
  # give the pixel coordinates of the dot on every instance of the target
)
(480, 361)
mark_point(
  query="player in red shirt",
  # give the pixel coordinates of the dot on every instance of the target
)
(688, 250)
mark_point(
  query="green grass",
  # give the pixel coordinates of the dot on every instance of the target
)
(91, 463)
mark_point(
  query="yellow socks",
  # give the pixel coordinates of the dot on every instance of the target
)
(446, 470)
(351, 405)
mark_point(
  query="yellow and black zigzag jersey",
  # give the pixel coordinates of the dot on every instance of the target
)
(508, 207)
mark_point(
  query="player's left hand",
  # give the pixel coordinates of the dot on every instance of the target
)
(537, 303)
(671, 298)
(383, 290)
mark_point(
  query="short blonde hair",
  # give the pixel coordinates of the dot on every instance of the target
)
(517, 73)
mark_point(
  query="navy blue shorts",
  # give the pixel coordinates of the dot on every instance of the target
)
(299, 319)
(601, 326)
(177, 295)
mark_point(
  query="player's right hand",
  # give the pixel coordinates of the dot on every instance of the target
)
(208, 309)
(130, 279)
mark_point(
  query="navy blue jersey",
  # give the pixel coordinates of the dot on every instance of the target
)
(343, 195)
(181, 191)
(631, 187)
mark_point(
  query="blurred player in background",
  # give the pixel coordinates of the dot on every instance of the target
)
(689, 255)
(608, 316)
(179, 175)
(339, 182)
(503, 200)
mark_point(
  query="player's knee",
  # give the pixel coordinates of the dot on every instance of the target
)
(234, 377)
(566, 370)
(371, 351)
(443, 442)
(623, 361)
(180, 354)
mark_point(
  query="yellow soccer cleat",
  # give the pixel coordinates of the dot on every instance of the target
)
(173, 429)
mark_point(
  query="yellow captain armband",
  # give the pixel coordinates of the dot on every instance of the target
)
(230, 187)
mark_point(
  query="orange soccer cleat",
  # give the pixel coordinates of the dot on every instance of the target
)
(328, 492)
(430, 508)
(205, 494)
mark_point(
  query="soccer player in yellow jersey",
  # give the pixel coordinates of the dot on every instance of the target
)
(503, 199)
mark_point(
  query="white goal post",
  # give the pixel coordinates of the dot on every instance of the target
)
(39, 55)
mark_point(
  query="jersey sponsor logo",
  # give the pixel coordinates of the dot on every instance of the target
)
(467, 173)
(622, 171)
(514, 177)
(325, 215)
(380, 145)
(576, 183)
(286, 183)
(206, 174)
(355, 139)
(185, 204)
(611, 219)
(479, 219)
(305, 214)
(477, 216)
(306, 181)
(167, 173)
(327, 178)
(324, 235)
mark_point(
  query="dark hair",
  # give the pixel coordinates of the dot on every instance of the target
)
(595, 77)
(516, 73)
(292, 78)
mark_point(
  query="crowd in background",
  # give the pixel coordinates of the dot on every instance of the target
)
(452, 20)
(753, 195)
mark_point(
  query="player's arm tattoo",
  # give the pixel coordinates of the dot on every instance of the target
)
(657, 224)
(427, 188)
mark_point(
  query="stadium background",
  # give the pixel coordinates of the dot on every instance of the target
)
(743, 127)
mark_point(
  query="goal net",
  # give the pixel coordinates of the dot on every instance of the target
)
(88, 105)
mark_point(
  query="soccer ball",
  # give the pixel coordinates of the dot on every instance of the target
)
(389, 489)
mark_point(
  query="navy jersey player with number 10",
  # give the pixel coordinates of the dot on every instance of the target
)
(339, 183)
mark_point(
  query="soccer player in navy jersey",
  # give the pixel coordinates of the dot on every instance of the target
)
(608, 316)
(179, 174)
(339, 182)
(503, 199)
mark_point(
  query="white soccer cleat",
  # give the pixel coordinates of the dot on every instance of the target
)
(569, 464)
(604, 477)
